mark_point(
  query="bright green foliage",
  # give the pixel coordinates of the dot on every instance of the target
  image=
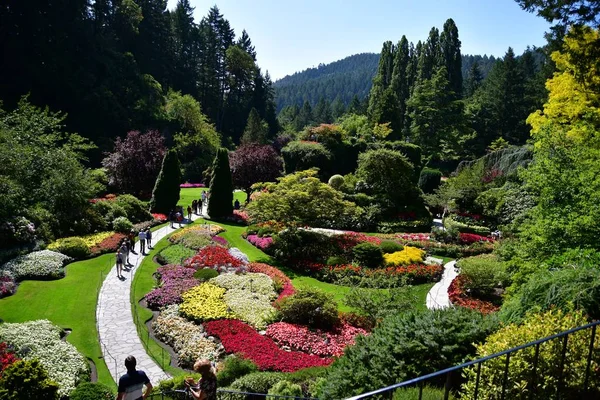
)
(376, 305)
(257, 382)
(430, 180)
(205, 274)
(367, 255)
(429, 393)
(388, 247)
(357, 126)
(174, 254)
(294, 245)
(135, 210)
(285, 388)
(74, 247)
(233, 368)
(482, 273)
(310, 307)
(220, 203)
(548, 372)
(27, 380)
(122, 224)
(405, 346)
(298, 156)
(303, 199)
(336, 181)
(92, 391)
(256, 129)
(166, 190)
(460, 191)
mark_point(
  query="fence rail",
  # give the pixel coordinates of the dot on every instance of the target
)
(444, 384)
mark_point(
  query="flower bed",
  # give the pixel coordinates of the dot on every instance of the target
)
(237, 337)
(470, 238)
(108, 245)
(7, 357)
(193, 239)
(409, 255)
(217, 258)
(159, 217)
(221, 241)
(174, 254)
(204, 303)
(280, 280)
(7, 284)
(61, 359)
(211, 230)
(249, 296)
(460, 298)
(187, 339)
(175, 281)
(262, 243)
(43, 264)
(191, 185)
(318, 342)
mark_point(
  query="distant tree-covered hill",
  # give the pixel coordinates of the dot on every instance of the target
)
(344, 79)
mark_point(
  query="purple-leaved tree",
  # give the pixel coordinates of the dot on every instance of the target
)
(252, 163)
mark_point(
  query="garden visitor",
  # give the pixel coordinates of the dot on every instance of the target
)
(179, 216)
(131, 243)
(119, 263)
(142, 237)
(172, 217)
(148, 238)
(206, 387)
(203, 196)
(189, 210)
(195, 206)
(124, 252)
(236, 204)
(200, 206)
(131, 384)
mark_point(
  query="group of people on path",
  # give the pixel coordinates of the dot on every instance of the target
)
(131, 384)
(127, 246)
(176, 214)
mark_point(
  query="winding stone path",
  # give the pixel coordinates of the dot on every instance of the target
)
(438, 295)
(114, 319)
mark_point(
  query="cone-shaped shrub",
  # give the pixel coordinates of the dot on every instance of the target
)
(220, 203)
(166, 190)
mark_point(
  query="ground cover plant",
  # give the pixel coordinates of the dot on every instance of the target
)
(175, 254)
(174, 281)
(43, 264)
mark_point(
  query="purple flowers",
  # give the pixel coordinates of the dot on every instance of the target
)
(175, 280)
(191, 185)
(220, 240)
(260, 242)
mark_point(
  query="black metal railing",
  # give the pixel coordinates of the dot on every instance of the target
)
(222, 394)
(575, 375)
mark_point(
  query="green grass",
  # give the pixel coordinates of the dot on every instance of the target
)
(69, 303)
(187, 195)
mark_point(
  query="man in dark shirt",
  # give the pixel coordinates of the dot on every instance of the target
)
(132, 383)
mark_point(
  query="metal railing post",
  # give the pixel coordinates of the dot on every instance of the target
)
(589, 360)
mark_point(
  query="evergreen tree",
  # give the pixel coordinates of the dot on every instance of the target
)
(337, 108)
(431, 56)
(245, 44)
(450, 46)
(474, 79)
(166, 190)
(512, 108)
(322, 113)
(355, 106)
(220, 203)
(305, 116)
(185, 35)
(256, 129)
(401, 85)
(381, 81)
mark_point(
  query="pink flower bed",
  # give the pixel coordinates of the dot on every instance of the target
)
(159, 217)
(260, 242)
(192, 185)
(175, 280)
(220, 241)
(240, 216)
(470, 238)
(237, 337)
(414, 236)
(319, 342)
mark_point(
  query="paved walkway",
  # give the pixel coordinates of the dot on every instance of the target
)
(438, 295)
(114, 319)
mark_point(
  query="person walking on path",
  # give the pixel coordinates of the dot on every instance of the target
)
(172, 217)
(131, 385)
(131, 237)
(148, 238)
(125, 251)
(189, 211)
(142, 237)
(119, 263)
(206, 388)
(200, 206)
(179, 217)
(195, 206)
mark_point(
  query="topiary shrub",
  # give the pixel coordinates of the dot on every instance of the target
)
(310, 307)
(482, 274)
(336, 182)
(74, 247)
(122, 225)
(296, 245)
(299, 156)
(27, 380)
(367, 255)
(205, 274)
(430, 180)
(336, 260)
(137, 211)
(285, 388)
(220, 203)
(166, 190)
(92, 391)
(519, 383)
(399, 347)
(233, 368)
(388, 247)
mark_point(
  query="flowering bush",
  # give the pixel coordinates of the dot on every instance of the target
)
(469, 238)
(43, 264)
(193, 239)
(108, 197)
(191, 185)
(459, 297)
(187, 339)
(413, 236)
(249, 296)
(237, 337)
(205, 302)
(175, 281)
(61, 359)
(407, 256)
(280, 280)
(221, 241)
(7, 284)
(7, 358)
(211, 230)
(262, 243)
(318, 342)
(108, 245)
(240, 255)
(239, 216)
(74, 247)
(215, 257)
(159, 217)
(91, 241)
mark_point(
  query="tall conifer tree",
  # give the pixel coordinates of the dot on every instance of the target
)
(450, 47)
(220, 203)
(166, 190)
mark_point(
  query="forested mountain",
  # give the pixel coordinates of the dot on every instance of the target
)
(346, 78)
(109, 64)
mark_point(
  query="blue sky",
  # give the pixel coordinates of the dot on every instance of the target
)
(291, 36)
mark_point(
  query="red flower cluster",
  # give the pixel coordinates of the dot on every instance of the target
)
(213, 257)
(470, 238)
(159, 217)
(108, 197)
(319, 342)
(241, 216)
(278, 277)
(349, 239)
(458, 297)
(237, 337)
(108, 245)
(7, 358)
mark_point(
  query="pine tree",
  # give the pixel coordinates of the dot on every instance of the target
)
(450, 46)
(400, 85)
(166, 190)
(220, 203)
(305, 116)
(246, 44)
(474, 79)
(355, 106)
(322, 112)
(256, 129)
(381, 81)
(337, 108)
(185, 35)
(431, 56)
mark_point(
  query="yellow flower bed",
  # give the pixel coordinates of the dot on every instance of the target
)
(90, 240)
(410, 255)
(210, 229)
(204, 303)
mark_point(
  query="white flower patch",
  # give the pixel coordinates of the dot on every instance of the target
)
(249, 296)
(186, 338)
(43, 264)
(42, 340)
(237, 253)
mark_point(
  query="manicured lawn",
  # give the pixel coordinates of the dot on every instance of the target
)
(187, 195)
(69, 302)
